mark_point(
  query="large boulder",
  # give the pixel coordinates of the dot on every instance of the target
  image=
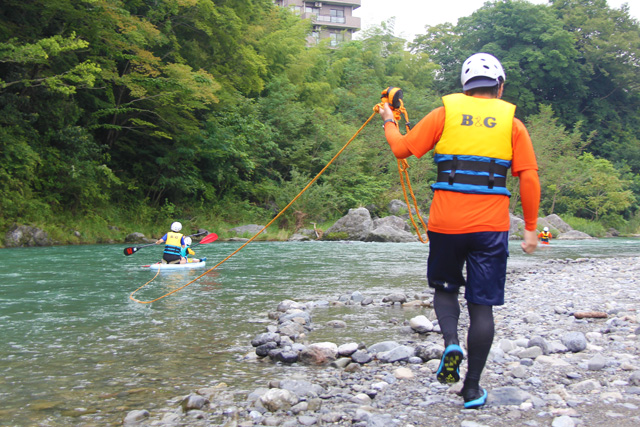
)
(516, 227)
(556, 225)
(393, 222)
(251, 229)
(355, 225)
(560, 229)
(26, 236)
(390, 229)
(297, 237)
(574, 235)
(554, 221)
(386, 233)
(138, 238)
(397, 207)
(358, 225)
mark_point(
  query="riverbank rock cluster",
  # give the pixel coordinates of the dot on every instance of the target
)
(566, 353)
(359, 225)
(281, 341)
(19, 236)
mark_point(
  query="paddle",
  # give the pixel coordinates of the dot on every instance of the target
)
(132, 250)
(211, 237)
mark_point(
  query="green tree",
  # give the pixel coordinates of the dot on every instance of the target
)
(32, 65)
(538, 55)
(37, 80)
(608, 42)
(557, 152)
(601, 191)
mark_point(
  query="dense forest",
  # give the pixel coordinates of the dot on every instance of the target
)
(124, 115)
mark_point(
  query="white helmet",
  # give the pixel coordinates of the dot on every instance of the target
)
(545, 229)
(176, 227)
(187, 241)
(481, 70)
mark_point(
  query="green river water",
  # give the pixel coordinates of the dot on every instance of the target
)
(75, 350)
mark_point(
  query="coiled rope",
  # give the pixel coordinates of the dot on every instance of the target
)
(403, 166)
(403, 170)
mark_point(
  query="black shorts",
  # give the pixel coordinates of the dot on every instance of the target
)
(171, 258)
(485, 254)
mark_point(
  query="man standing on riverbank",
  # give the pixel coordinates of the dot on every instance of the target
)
(476, 139)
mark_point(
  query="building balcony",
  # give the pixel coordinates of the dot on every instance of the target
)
(341, 22)
(353, 3)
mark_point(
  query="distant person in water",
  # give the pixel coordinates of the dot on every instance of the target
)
(187, 251)
(174, 243)
(545, 236)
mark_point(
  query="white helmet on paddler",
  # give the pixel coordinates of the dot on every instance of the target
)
(176, 227)
(187, 241)
(481, 70)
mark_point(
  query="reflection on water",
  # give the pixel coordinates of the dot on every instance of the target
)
(74, 347)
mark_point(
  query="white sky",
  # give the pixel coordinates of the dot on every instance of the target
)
(413, 15)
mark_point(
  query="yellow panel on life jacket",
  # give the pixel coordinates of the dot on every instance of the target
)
(477, 127)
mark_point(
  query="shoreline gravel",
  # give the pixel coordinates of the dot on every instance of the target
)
(548, 367)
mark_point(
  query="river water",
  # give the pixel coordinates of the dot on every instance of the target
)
(75, 350)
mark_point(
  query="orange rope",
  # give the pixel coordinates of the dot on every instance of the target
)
(264, 228)
(403, 166)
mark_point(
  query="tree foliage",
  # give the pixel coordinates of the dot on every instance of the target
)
(190, 106)
(557, 153)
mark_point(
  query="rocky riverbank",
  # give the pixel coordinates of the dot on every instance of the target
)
(566, 353)
(357, 225)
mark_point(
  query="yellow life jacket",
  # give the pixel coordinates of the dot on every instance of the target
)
(173, 244)
(475, 150)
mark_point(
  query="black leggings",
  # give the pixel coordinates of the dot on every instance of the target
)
(171, 258)
(479, 337)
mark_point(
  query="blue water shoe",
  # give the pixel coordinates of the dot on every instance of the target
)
(449, 370)
(474, 398)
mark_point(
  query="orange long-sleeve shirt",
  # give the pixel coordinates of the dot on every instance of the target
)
(456, 213)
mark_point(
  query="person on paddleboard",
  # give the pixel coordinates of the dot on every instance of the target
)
(187, 251)
(174, 243)
(545, 236)
(476, 139)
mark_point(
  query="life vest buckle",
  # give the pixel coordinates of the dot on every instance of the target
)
(454, 167)
(492, 173)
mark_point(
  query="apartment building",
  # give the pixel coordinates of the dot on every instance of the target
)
(331, 19)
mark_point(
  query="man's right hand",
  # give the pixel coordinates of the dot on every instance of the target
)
(385, 112)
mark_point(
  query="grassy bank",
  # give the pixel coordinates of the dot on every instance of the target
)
(115, 225)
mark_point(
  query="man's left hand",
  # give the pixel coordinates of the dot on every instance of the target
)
(530, 241)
